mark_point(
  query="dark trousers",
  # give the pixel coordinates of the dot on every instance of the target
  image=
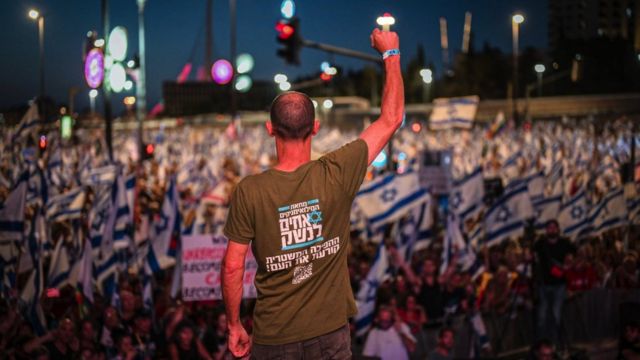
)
(551, 296)
(334, 345)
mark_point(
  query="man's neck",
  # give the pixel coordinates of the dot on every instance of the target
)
(292, 153)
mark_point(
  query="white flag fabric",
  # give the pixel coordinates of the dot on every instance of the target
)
(66, 206)
(507, 216)
(59, 267)
(104, 175)
(82, 272)
(610, 213)
(633, 207)
(366, 297)
(12, 213)
(546, 209)
(119, 222)
(29, 122)
(389, 198)
(467, 194)
(453, 242)
(574, 216)
(451, 113)
(164, 228)
(130, 186)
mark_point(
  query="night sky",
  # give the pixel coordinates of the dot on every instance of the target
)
(172, 28)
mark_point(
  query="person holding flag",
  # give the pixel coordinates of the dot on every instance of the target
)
(296, 218)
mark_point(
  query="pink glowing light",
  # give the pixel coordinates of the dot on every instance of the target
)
(222, 71)
(94, 68)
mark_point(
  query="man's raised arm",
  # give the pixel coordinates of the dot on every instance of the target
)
(392, 110)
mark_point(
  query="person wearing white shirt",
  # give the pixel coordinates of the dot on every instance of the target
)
(391, 339)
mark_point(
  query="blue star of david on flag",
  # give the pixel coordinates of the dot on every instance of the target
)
(503, 214)
(576, 212)
(389, 195)
(373, 289)
(456, 200)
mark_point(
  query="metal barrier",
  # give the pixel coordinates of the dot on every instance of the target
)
(588, 317)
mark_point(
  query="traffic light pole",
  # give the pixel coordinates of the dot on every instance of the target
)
(106, 91)
(141, 87)
(342, 51)
(232, 32)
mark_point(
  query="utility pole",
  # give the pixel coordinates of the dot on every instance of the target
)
(444, 44)
(234, 99)
(466, 35)
(208, 45)
(106, 91)
(141, 86)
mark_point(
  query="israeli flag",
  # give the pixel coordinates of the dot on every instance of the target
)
(105, 273)
(119, 224)
(37, 192)
(147, 287)
(28, 124)
(535, 185)
(633, 207)
(555, 179)
(414, 230)
(546, 209)
(387, 199)
(165, 228)
(508, 215)
(54, 169)
(30, 295)
(66, 206)
(510, 170)
(12, 215)
(130, 189)
(610, 213)
(105, 175)
(366, 297)
(468, 192)
(82, 272)
(574, 216)
(59, 268)
(451, 113)
(98, 216)
(453, 244)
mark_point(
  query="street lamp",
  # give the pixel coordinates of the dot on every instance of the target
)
(386, 20)
(37, 16)
(516, 20)
(93, 93)
(427, 79)
(539, 68)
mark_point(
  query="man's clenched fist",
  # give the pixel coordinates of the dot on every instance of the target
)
(384, 40)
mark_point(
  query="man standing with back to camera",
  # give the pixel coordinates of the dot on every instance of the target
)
(296, 218)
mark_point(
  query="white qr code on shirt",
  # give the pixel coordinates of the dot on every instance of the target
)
(302, 273)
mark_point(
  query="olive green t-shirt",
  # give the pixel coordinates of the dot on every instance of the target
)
(298, 226)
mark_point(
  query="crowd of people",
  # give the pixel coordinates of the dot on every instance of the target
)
(417, 304)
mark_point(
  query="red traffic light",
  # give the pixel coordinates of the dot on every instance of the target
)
(42, 143)
(150, 149)
(325, 77)
(284, 30)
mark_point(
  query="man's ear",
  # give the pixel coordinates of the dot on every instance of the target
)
(269, 127)
(316, 127)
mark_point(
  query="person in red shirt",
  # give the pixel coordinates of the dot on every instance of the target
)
(581, 275)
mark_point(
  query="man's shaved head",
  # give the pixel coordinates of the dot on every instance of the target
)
(292, 116)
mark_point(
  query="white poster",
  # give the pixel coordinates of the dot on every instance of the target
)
(201, 261)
